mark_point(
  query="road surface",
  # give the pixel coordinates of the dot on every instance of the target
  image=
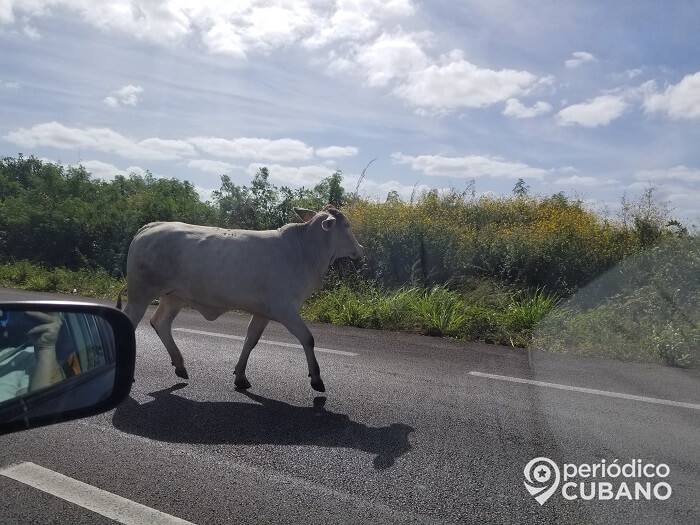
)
(411, 429)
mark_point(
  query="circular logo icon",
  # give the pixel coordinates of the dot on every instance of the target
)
(538, 475)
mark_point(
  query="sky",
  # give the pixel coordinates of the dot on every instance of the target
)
(595, 99)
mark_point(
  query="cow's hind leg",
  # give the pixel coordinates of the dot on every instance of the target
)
(255, 329)
(296, 325)
(136, 307)
(162, 321)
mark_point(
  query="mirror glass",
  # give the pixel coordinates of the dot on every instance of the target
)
(53, 361)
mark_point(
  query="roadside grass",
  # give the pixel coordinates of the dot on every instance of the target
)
(481, 311)
(437, 311)
(645, 309)
(609, 330)
(85, 282)
(642, 325)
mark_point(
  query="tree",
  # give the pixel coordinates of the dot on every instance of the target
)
(521, 189)
(336, 193)
(265, 201)
(331, 191)
(393, 197)
(236, 208)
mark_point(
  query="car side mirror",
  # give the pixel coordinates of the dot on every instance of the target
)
(62, 360)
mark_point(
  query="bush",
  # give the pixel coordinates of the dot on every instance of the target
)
(89, 283)
(527, 308)
(440, 312)
(645, 309)
(529, 241)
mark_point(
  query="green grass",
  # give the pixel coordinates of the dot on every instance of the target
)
(646, 309)
(437, 311)
(84, 282)
(609, 330)
(625, 326)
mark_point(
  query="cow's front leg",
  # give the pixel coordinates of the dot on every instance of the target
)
(255, 329)
(295, 324)
(162, 321)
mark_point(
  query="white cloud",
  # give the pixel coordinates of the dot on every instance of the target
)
(469, 167)
(31, 32)
(355, 20)
(677, 173)
(4, 84)
(336, 152)
(683, 198)
(105, 171)
(254, 148)
(390, 57)
(633, 73)
(205, 194)
(112, 102)
(127, 96)
(599, 111)
(678, 101)
(296, 176)
(165, 148)
(514, 108)
(367, 37)
(57, 135)
(222, 38)
(238, 28)
(455, 82)
(578, 180)
(546, 83)
(678, 185)
(578, 58)
(344, 24)
(382, 189)
(231, 28)
(212, 166)
(161, 22)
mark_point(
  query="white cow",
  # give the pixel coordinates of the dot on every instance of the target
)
(214, 270)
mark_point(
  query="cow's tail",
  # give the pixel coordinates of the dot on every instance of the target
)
(119, 297)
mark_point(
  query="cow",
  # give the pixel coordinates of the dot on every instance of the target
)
(213, 270)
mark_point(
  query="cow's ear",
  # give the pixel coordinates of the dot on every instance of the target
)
(304, 214)
(328, 223)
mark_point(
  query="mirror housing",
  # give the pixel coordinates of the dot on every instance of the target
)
(62, 360)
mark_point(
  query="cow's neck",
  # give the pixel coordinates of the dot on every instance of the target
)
(316, 254)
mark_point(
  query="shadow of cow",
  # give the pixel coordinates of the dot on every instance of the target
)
(176, 419)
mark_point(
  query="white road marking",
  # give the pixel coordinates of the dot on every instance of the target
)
(265, 341)
(588, 390)
(97, 500)
(260, 476)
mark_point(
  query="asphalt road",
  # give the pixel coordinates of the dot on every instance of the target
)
(406, 432)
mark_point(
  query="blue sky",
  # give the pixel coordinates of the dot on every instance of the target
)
(596, 99)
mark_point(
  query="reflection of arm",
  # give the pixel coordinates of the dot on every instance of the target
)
(44, 337)
(47, 371)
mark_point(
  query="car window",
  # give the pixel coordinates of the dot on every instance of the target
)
(386, 260)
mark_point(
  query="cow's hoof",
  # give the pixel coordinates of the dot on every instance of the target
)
(182, 372)
(242, 383)
(318, 385)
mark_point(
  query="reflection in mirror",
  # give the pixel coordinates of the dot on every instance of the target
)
(646, 309)
(42, 349)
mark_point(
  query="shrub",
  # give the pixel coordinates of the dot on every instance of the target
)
(440, 312)
(645, 309)
(529, 241)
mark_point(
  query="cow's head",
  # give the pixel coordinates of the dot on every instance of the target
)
(336, 226)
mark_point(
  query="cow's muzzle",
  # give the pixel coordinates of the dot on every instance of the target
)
(359, 252)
